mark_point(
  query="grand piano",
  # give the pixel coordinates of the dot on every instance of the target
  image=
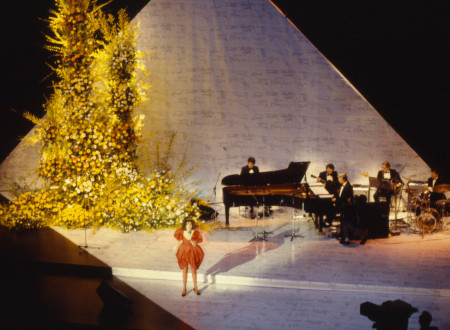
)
(273, 188)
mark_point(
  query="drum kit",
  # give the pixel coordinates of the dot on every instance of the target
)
(430, 215)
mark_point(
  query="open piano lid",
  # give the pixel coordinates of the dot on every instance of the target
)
(293, 174)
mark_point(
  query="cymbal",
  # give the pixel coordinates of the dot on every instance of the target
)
(443, 201)
(442, 188)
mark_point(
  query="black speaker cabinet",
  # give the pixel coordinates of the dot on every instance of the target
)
(376, 218)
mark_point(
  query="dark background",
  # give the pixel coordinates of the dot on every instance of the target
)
(396, 53)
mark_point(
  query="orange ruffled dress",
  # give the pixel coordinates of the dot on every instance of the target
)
(187, 253)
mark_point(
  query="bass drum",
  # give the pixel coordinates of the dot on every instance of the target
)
(427, 220)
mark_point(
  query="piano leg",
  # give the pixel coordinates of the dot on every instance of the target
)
(227, 215)
(318, 221)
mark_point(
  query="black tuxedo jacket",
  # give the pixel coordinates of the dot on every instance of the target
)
(435, 196)
(345, 199)
(246, 170)
(331, 186)
(394, 176)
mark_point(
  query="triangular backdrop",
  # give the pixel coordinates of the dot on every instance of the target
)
(235, 79)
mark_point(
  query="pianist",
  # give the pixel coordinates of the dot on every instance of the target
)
(250, 175)
(250, 168)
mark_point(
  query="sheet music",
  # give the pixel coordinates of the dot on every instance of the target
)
(319, 190)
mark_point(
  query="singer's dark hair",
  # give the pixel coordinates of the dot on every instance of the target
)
(185, 221)
(251, 160)
(330, 166)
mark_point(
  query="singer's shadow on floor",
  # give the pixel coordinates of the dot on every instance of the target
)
(243, 255)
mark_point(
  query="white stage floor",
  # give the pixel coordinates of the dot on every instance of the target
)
(311, 282)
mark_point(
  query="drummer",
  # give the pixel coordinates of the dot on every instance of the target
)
(433, 182)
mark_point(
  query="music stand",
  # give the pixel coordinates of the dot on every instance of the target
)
(264, 232)
(295, 216)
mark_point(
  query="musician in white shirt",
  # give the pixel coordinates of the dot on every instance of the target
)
(389, 183)
(330, 178)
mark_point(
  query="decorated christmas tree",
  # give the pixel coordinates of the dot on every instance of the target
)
(89, 136)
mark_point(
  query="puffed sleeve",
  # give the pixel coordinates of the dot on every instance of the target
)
(178, 234)
(197, 237)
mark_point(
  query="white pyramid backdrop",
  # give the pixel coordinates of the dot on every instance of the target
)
(235, 79)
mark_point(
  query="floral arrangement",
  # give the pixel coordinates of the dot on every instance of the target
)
(89, 136)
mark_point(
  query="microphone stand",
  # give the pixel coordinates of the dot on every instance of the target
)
(85, 246)
(213, 197)
(264, 232)
(256, 237)
(295, 216)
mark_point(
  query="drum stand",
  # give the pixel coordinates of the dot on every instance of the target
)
(264, 233)
(422, 211)
(443, 213)
(295, 216)
(410, 214)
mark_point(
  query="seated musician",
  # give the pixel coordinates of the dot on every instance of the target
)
(389, 183)
(250, 168)
(330, 178)
(434, 181)
(250, 175)
(343, 200)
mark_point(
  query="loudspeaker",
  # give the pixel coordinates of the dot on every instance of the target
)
(112, 298)
(376, 219)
